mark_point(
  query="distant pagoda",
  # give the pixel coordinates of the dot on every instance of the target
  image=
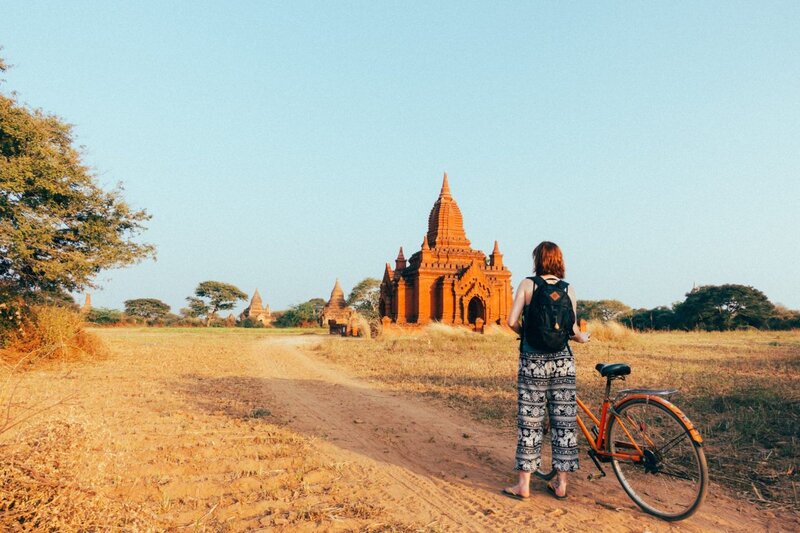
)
(336, 310)
(257, 311)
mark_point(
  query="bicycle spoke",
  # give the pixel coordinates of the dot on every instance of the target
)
(671, 444)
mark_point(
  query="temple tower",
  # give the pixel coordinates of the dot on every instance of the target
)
(446, 280)
(336, 310)
(257, 310)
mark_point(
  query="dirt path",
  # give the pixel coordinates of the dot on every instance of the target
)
(444, 470)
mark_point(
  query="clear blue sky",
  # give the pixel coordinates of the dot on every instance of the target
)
(280, 145)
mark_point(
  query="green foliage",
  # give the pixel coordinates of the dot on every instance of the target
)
(104, 316)
(601, 309)
(658, 318)
(195, 309)
(210, 297)
(251, 323)
(783, 318)
(724, 307)
(365, 296)
(304, 314)
(149, 309)
(58, 228)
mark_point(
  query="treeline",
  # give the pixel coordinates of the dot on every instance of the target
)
(710, 308)
(212, 297)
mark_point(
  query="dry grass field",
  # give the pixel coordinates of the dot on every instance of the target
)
(742, 389)
(172, 431)
(234, 430)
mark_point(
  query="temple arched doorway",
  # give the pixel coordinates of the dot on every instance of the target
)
(476, 310)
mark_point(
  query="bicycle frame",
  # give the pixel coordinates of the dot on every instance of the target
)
(598, 444)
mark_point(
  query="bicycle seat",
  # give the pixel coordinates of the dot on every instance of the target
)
(613, 369)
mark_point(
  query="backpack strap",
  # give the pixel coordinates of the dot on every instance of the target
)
(561, 284)
(538, 281)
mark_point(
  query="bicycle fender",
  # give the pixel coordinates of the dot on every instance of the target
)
(693, 433)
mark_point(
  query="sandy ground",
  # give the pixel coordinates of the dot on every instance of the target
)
(268, 436)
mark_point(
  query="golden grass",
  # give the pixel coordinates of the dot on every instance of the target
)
(50, 334)
(740, 388)
(175, 430)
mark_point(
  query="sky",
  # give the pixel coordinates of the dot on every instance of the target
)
(280, 145)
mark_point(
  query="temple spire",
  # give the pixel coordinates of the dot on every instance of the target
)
(445, 223)
(496, 259)
(425, 244)
(445, 193)
(256, 303)
(400, 262)
(337, 295)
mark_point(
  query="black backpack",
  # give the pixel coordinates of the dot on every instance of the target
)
(548, 320)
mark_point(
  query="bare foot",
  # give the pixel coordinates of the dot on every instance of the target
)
(517, 491)
(559, 490)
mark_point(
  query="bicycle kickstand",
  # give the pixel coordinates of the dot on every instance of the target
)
(592, 477)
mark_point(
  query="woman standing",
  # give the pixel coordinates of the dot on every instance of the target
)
(546, 370)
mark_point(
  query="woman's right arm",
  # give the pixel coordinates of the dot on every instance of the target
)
(519, 304)
(577, 334)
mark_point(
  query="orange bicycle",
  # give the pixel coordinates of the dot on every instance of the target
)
(654, 449)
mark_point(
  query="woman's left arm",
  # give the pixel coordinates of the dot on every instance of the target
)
(516, 307)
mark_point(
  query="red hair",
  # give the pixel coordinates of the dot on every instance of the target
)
(548, 260)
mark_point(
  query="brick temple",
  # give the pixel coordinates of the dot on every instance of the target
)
(446, 281)
(336, 312)
(257, 311)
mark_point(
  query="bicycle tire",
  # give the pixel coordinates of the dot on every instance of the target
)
(672, 479)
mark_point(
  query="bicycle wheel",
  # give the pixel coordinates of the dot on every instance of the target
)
(546, 470)
(671, 480)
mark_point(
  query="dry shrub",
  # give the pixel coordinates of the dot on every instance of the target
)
(361, 324)
(609, 331)
(51, 333)
(39, 488)
(437, 329)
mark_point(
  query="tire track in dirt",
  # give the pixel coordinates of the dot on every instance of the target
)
(441, 469)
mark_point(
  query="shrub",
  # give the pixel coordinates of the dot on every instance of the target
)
(609, 331)
(251, 323)
(103, 316)
(49, 332)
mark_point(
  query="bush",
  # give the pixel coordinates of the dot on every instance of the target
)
(251, 323)
(49, 332)
(609, 331)
(658, 318)
(11, 319)
(104, 317)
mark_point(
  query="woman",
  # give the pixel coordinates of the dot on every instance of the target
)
(545, 377)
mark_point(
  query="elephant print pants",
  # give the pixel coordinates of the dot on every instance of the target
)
(547, 378)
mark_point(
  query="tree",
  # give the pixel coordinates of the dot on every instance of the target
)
(784, 318)
(304, 314)
(104, 316)
(210, 297)
(365, 296)
(723, 307)
(58, 228)
(658, 318)
(149, 309)
(604, 310)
